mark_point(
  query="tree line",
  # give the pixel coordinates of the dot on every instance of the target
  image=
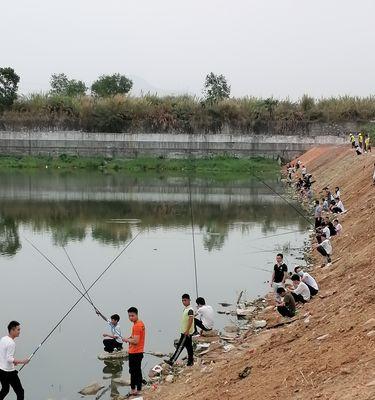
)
(216, 87)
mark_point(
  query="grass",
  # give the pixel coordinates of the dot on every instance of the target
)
(201, 166)
(187, 114)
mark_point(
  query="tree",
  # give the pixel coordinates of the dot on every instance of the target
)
(270, 103)
(8, 87)
(216, 88)
(60, 84)
(110, 85)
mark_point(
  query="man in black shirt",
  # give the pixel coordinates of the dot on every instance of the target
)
(280, 273)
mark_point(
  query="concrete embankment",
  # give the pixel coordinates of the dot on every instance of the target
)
(285, 145)
(329, 355)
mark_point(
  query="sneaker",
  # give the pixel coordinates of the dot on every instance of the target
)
(190, 364)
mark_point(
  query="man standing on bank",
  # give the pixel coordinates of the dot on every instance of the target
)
(136, 349)
(8, 373)
(187, 330)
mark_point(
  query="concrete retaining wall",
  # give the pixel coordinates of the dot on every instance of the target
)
(169, 145)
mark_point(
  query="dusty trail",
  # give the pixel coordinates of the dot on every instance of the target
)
(290, 362)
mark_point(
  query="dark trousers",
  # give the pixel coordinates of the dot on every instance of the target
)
(111, 344)
(298, 298)
(336, 210)
(187, 342)
(135, 370)
(8, 379)
(285, 312)
(199, 324)
(313, 291)
(324, 253)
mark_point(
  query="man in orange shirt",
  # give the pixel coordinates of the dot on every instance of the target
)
(136, 349)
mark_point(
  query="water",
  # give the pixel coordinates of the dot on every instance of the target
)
(239, 227)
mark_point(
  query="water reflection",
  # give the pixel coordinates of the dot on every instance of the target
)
(74, 206)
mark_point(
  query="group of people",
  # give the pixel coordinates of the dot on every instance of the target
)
(362, 144)
(202, 318)
(302, 288)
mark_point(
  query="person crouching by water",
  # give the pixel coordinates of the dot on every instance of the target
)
(136, 349)
(8, 373)
(187, 330)
(204, 316)
(308, 280)
(287, 305)
(114, 341)
(301, 292)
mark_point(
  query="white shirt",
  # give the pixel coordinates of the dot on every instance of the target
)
(303, 290)
(304, 170)
(327, 232)
(309, 280)
(115, 331)
(7, 349)
(337, 194)
(340, 205)
(206, 315)
(338, 228)
(326, 244)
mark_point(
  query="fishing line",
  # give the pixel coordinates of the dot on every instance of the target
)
(80, 298)
(193, 238)
(286, 200)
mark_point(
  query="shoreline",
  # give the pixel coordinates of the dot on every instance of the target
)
(311, 356)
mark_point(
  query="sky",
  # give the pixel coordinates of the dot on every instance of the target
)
(280, 48)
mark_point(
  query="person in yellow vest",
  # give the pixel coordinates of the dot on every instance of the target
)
(367, 143)
(352, 140)
(187, 330)
(360, 140)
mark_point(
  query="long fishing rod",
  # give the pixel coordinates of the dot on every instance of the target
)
(193, 239)
(84, 288)
(77, 274)
(80, 298)
(282, 197)
(60, 272)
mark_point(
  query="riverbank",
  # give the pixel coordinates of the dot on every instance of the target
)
(328, 355)
(199, 166)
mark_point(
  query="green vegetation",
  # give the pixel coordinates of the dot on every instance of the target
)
(201, 166)
(8, 87)
(369, 129)
(111, 85)
(61, 85)
(184, 114)
(216, 88)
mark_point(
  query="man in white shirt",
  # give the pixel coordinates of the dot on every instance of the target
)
(8, 373)
(308, 279)
(337, 226)
(325, 248)
(204, 316)
(114, 340)
(301, 292)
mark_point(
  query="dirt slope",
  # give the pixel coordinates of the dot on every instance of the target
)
(290, 362)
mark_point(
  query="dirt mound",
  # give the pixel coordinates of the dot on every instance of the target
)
(331, 355)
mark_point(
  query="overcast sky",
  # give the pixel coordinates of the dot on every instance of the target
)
(264, 47)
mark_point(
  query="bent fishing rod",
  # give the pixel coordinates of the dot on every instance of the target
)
(80, 298)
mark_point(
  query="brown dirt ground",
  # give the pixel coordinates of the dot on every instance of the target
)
(289, 362)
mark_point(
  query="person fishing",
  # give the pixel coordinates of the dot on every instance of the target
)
(8, 373)
(113, 341)
(136, 349)
(187, 330)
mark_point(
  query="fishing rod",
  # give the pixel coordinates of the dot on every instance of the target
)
(77, 274)
(84, 288)
(193, 238)
(60, 272)
(282, 197)
(80, 298)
